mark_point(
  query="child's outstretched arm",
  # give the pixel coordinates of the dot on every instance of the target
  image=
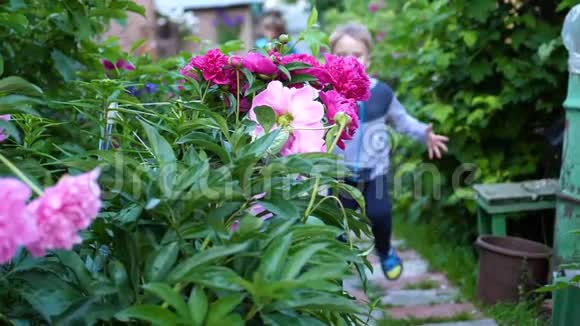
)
(408, 125)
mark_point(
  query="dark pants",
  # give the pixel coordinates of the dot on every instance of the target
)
(378, 209)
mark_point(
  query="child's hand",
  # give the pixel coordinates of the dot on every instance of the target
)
(436, 144)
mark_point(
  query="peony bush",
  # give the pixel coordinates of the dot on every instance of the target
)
(189, 192)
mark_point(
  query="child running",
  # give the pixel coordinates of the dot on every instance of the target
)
(367, 154)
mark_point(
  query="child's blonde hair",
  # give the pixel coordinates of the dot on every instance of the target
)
(357, 31)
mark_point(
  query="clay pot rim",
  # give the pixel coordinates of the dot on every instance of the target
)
(483, 244)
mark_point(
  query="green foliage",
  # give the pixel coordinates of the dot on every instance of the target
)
(176, 242)
(49, 42)
(487, 74)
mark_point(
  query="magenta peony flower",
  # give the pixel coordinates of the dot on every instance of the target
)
(108, 65)
(124, 65)
(213, 66)
(3, 135)
(259, 64)
(295, 109)
(373, 7)
(347, 76)
(17, 225)
(336, 103)
(63, 210)
(121, 65)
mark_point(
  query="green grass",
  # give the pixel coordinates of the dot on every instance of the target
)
(418, 321)
(422, 285)
(459, 263)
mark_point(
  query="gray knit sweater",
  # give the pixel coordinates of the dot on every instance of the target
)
(368, 151)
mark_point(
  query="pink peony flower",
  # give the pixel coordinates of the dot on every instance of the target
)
(259, 64)
(373, 7)
(295, 108)
(336, 103)
(213, 66)
(63, 210)
(17, 225)
(304, 141)
(3, 135)
(347, 76)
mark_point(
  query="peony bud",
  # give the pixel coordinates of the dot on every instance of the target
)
(284, 38)
(235, 61)
(342, 119)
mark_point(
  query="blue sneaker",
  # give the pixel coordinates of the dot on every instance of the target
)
(392, 266)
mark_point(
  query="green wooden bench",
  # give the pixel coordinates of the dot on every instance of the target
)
(496, 201)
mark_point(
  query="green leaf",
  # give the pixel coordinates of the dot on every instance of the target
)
(204, 257)
(47, 294)
(153, 314)
(299, 259)
(222, 307)
(1, 65)
(285, 72)
(249, 77)
(440, 112)
(266, 117)
(355, 194)
(17, 104)
(161, 262)
(481, 9)
(278, 319)
(297, 66)
(9, 128)
(16, 21)
(136, 8)
(259, 146)
(73, 261)
(66, 66)
(137, 45)
(18, 85)
(281, 207)
(469, 37)
(129, 214)
(204, 141)
(169, 295)
(198, 306)
(274, 258)
(161, 148)
(313, 18)
(258, 86)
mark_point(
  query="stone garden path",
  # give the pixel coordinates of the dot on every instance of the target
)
(420, 297)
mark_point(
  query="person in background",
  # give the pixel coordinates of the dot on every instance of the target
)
(272, 25)
(367, 154)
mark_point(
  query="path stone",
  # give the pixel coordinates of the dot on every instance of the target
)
(419, 297)
(484, 322)
(446, 310)
(419, 294)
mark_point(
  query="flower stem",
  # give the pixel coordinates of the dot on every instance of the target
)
(312, 198)
(309, 209)
(237, 97)
(20, 175)
(336, 138)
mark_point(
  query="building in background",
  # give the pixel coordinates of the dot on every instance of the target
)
(171, 26)
(137, 27)
(217, 21)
